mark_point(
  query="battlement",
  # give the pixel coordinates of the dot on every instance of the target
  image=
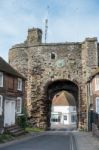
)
(34, 36)
(88, 39)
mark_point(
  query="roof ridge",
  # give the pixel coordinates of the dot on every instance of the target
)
(6, 67)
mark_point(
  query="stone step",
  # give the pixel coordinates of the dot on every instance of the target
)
(12, 127)
(21, 132)
(15, 130)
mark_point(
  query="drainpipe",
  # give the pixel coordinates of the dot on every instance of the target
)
(78, 109)
(88, 103)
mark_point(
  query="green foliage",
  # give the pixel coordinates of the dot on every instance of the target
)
(5, 137)
(29, 129)
(83, 129)
(22, 121)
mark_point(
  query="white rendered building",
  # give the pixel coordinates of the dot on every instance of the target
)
(63, 109)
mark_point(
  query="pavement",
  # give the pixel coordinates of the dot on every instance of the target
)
(86, 141)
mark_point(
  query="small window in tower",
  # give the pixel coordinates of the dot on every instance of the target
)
(52, 55)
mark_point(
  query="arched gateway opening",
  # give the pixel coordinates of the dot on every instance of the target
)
(61, 95)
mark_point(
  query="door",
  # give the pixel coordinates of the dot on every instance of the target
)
(65, 119)
(9, 113)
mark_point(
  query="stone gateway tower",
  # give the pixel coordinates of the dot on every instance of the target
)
(51, 68)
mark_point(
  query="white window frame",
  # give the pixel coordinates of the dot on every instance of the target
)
(19, 84)
(96, 82)
(20, 108)
(1, 104)
(1, 82)
(56, 118)
(97, 103)
(65, 117)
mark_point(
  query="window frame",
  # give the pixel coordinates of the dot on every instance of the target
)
(97, 109)
(1, 85)
(1, 109)
(20, 109)
(65, 117)
(73, 118)
(96, 85)
(55, 118)
(19, 84)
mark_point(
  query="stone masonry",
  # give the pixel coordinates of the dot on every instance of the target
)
(50, 67)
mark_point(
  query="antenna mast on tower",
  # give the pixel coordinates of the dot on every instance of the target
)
(46, 29)
(46, 25)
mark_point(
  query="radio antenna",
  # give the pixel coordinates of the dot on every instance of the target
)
(46, 25)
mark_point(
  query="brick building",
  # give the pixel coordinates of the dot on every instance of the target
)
(12, 90)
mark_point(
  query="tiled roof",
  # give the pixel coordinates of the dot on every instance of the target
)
(63, 98)
(5, 67)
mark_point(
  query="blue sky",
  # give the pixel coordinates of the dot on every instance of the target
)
(68, 20)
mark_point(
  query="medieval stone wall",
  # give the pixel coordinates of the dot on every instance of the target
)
(42, 63)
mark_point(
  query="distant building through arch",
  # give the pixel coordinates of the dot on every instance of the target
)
(63, 111)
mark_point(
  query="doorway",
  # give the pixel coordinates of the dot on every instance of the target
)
(9, 113)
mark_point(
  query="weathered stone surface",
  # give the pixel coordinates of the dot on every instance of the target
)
(44, 64)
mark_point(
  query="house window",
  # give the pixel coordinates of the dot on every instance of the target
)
(97, 105)
(65, 117)
(1, 79)
(55, 118)
(73, 118)
(19, 84)
(19, 105)
(1, 98)
(97, 82)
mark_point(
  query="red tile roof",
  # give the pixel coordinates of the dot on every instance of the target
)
(63, 98)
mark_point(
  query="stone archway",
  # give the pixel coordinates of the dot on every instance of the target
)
(51, 89)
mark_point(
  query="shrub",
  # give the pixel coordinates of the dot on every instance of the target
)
(22, 121)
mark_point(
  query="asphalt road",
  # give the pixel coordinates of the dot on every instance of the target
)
(48, 141)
